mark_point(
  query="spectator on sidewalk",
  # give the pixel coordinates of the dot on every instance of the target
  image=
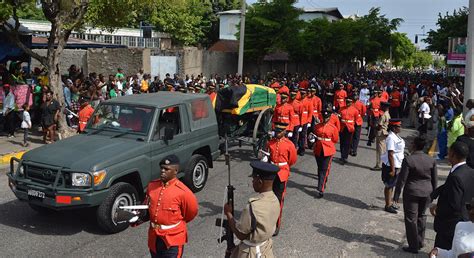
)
(453, 195)
(26, 124)
(418, 178)
(9, 111)
(468, 139)
(50, 114)
(442, 133)
(455, 127)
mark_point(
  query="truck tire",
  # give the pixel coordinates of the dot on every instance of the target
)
(120, 194)
(196, 173)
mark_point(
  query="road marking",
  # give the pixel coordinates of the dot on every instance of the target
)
(5, 159)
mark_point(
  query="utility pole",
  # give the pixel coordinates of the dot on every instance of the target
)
(469, 79)
(240, 64)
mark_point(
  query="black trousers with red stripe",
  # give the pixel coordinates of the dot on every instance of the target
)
(279, 188)
(345, 142)
(324, 167)
(162, 252)
(356, 138)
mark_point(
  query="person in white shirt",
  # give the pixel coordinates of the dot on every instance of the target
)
(392, 160)
(8, 111)
(463, 241)
(364, 95)
(424, 115)
(26, 123)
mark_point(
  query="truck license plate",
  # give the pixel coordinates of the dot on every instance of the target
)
(35, 193)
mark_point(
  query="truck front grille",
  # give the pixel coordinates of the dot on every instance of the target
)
(42, 175)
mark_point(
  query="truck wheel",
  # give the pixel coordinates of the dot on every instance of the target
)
(196, 173)
(120, 194)
(41, 210)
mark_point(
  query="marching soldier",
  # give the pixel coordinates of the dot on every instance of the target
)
(171, 206)
(212, 94)
(358, 125)
(284, 112)
(295, 119)
(340, 97)
(382, 132)
(327, 135)
(374, 115)
(306, 117)
(349, 114)
(317, 105)
(282, 154)
(395, 102)
(259, 217)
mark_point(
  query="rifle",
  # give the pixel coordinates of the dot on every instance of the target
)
(220, 222)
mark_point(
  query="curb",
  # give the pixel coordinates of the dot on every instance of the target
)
(5, 159)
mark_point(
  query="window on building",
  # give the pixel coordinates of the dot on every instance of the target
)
(125, 41)
(108, 39)
(118, 40)
(149, 42)
(133, 42)
(140, 42)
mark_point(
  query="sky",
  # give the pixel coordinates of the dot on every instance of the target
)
(415, 13)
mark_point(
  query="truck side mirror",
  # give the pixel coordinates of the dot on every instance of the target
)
(169, 133)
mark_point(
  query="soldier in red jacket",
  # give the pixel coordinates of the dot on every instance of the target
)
(171, 206)
(395, 101)
(295, 119)
(284, 112)
(349, 114)
(283, 154)
(340, 97)
(374, 114)
(326, 136)
(358, 125)
(306, 118)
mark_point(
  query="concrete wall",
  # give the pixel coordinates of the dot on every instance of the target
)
(69, 57)
(106, 61)
(192, 61)
(219, 62)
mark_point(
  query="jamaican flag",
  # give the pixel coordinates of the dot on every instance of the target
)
(238, 100)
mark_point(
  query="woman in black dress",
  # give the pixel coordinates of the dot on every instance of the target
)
(49, 116)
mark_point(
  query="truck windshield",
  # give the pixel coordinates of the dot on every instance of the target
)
(122, 118)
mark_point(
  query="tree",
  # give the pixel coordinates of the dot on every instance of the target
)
(66, 16)
(402, 50)
(268, 27)
(454, 25)
(422, 59)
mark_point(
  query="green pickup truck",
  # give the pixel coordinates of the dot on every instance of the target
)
(111, 164)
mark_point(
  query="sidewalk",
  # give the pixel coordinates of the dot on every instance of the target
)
(12, 147)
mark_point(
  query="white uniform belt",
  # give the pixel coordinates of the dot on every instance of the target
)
(296, 115)
(347, 121)
(376, 109)
(315, 111)
(305, 112)
(395, 99)
(280, 164)
(340, 100)
(164, 227)
(324, 139)
(284, 117)
(82, 122)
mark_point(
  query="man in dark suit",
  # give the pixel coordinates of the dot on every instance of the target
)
(419, 176)
(469, 140)
(458, 189)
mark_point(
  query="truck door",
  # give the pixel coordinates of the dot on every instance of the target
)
(170, 118)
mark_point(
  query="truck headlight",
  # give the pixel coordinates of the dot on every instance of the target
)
(21, 171)
(81, 179)
(99, 176)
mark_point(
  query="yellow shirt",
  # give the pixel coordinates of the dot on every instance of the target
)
(144, 87)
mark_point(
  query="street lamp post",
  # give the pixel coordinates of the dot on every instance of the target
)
(469, 79)
(240, 64)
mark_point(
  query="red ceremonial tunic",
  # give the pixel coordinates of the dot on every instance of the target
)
(327, 136)
(284, 89)
(295, 119)
(169, 204)
(385, 96)
(317, 107)
(213, 96)
(307, 110)
(283, 114)
(334, 120)
(375, 106)
(340, 98)
(349, 115)
(283, 154)
(362, 111)
(84, 114)
(395, 98)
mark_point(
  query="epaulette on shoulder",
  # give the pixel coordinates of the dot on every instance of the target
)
(182, 186)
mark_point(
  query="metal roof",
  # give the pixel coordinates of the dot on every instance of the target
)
(159, 100)
(334, 11)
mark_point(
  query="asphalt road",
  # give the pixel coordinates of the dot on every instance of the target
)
(349, 221)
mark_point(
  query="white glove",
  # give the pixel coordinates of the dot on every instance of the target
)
(312, 138)
(134, 219)
(69, 116)
(264, 158)
(300, 129)
(115, 124)
(308, 125)
(290, 134)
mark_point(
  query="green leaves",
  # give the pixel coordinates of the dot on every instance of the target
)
(449, 25)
